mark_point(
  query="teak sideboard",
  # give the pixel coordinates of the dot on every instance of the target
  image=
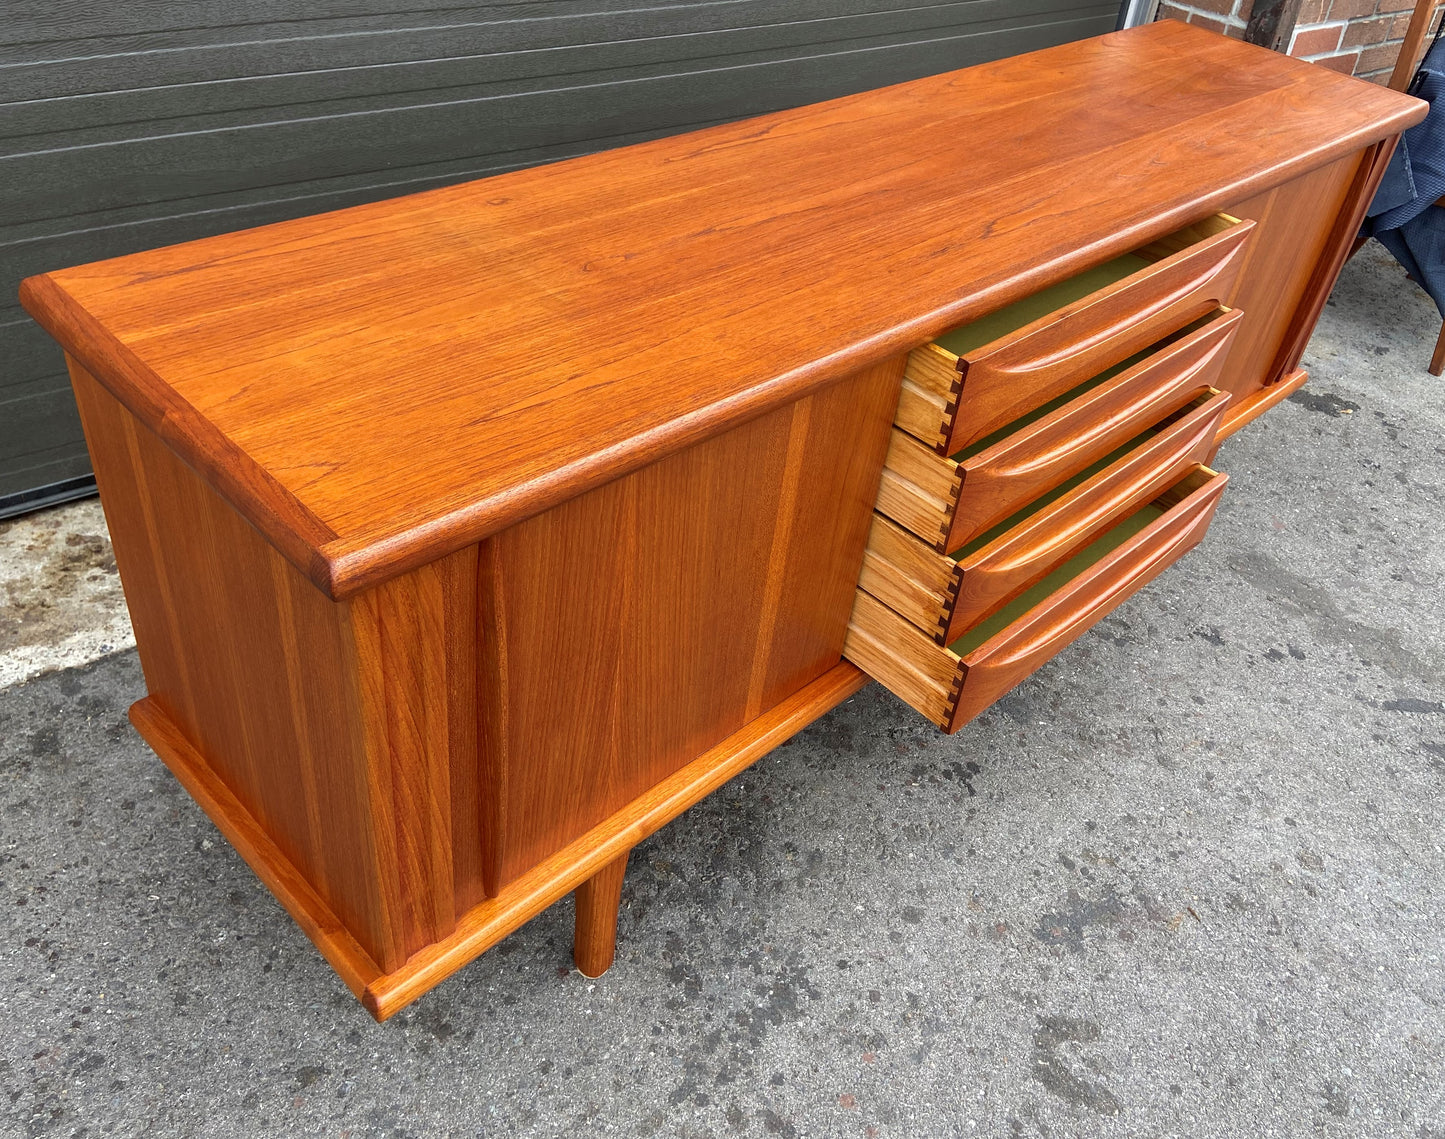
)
(472, 536)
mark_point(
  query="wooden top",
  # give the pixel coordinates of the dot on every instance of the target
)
(377, 386)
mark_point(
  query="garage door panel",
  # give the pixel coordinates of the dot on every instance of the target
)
(139, 125)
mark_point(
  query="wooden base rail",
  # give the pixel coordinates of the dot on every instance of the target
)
(1255, 405)
(601, 853)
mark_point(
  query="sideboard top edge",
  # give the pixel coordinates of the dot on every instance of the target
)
(583, 348)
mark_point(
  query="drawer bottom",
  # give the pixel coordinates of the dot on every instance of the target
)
(952, 685)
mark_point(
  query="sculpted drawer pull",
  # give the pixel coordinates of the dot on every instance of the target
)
(952, 684)
(976, 378)
(948, 502)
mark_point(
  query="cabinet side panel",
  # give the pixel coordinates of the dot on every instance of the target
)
(245, 656)
(632, 628)
(415, 640)
(1294, 226)
(818, 540)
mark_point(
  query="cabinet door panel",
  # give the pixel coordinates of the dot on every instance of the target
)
(1293, 227)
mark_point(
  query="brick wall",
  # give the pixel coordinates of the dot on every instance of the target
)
(1225, 16)
(1358, 37)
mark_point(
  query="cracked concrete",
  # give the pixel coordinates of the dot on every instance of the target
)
(1186, 881)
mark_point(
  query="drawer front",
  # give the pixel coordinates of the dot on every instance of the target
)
(950, 401)
(951, 690)
(994, 575)
(1014, 471)
(945, 597)
(947, 503)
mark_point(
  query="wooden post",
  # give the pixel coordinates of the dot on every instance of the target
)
(1271, 23)
(1409, 57)
(594, 942)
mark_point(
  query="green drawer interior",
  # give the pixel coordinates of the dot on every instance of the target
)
(1110, 540)
(1073, 393)
(987, 329)
(1043, 500)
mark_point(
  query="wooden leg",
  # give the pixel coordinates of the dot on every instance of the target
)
(1437, 361)
(594, 943)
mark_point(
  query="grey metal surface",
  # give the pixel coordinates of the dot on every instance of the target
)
(1132, 13)
(130, 126)
(1186, 881)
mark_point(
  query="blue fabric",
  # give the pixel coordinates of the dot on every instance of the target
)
(1397, 187)
(1403, 215)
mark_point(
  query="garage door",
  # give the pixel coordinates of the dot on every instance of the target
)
(128, 126)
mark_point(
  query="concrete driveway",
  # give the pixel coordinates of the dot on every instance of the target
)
(1188, 880)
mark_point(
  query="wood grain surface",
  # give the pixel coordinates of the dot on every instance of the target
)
(1294, 224)
(380, 386)
(1335, 249)
(909, 576)
(1004, 568)
(951, 690)
(1018, 373)
(248, 661)
(414, 647)
(629, 630)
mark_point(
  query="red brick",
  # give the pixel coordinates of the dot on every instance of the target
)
(1351, 9)
(1209, 23)
(1345, 63)
(1218, 7)
(1396, 6)
(1377, 58)
(1172, 12)
(1402, 24)
(1361, 32)
(1315, 41)
(1312, 11)
(1380, 77)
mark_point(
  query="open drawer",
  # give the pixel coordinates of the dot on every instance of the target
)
(976, 378)
(951, 685)
(945, 595)
(949, 501)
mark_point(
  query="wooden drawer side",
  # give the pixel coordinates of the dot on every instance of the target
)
(910, 577)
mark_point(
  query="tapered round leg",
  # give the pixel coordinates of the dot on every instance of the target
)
(1437, 361)
(594, 942)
